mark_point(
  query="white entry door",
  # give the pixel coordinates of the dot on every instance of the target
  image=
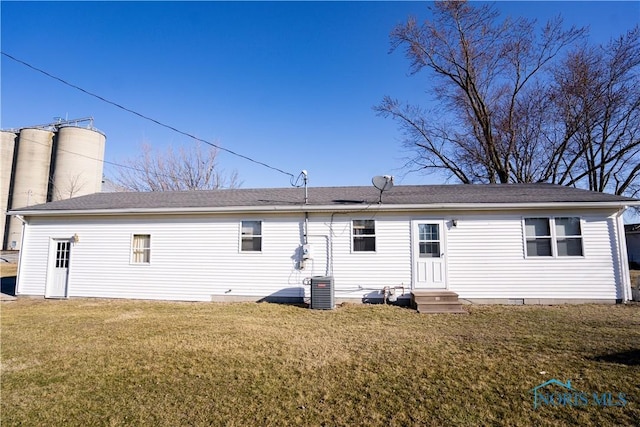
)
(429, 255)
(59, 253)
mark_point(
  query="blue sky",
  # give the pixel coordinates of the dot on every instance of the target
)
(291, 84)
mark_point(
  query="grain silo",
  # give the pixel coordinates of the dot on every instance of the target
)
(78, 162)
(30, 176)
(7, 144)
(48, 162)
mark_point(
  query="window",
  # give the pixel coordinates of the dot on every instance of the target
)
(141, 249)
(569, 236)
(364, 235)
(429, 240)
(549, 237)
(62, 254)
(251, 236)
(538, 236)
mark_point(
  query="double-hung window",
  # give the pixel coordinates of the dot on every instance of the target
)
(553, 237)
(568, 236)
(141, 249)
(364, 235)
(538, 234)
(251, 236)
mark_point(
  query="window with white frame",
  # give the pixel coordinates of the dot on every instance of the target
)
(429, 241)
(141, 249)
(251, 238)
(568, 236)
(364, 235)
(538, 234)
(553, 237)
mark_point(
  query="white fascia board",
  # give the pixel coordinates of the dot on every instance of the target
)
(333, 208)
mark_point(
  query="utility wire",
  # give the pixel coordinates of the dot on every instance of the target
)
(107, 162)
(115, 104)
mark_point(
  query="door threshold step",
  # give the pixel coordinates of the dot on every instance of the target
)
(436, 301)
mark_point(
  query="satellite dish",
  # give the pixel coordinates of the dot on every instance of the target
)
(383, 182)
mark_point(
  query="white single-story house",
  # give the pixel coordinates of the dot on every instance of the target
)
(506, 243)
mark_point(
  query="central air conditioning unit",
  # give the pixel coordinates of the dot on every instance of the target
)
(322, 297)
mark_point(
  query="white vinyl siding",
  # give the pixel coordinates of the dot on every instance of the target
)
(194, 257)
(197, 257)
(141, 249)
(362, 274)
(486, 259)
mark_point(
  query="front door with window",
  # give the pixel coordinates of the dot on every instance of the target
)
(428, 254)
(59, 253)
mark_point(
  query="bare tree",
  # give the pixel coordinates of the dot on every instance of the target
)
(195, 168)
(68, 186)
(596, 94)
(485, 73)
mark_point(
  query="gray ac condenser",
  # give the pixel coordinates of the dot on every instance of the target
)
(322, 295)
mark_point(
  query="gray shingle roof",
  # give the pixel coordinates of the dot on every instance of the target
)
(331, 196)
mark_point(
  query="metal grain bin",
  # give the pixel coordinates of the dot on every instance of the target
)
(31, 177)
(78, 162)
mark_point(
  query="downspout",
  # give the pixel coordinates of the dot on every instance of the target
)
(622, 254)
(304, 256)
(305, 232)
(22, 249)
(306, 228)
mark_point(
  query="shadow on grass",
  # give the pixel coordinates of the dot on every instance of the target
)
(8, 285)
(629, 358)
(286, 296)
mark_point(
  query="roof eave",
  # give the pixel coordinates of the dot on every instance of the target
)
(331, 208)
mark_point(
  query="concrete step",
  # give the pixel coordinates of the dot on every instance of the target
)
(436, 301)
(435, 298)
(433, 295)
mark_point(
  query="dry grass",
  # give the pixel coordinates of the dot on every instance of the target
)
(635, 277)
(8, 269)
(105, 362)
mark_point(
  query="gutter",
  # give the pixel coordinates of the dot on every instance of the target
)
(329, 208)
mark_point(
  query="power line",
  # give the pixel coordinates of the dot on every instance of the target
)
(103, 161)
(115, 104)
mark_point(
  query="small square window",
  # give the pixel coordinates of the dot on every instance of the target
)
(141, 249)
(251, 238)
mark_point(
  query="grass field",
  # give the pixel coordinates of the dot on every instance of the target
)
(7, 269)
(105, 362)
(635, 276)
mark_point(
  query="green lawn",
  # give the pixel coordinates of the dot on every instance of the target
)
(106, 362)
